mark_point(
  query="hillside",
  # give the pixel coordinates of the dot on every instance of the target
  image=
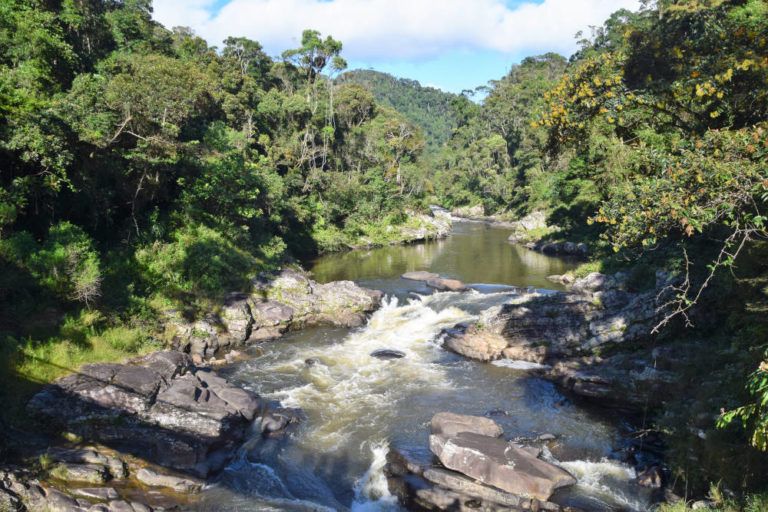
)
(433, 110)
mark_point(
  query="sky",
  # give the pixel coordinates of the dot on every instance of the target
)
(449, 44)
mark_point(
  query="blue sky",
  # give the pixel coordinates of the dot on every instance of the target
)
(450, 44)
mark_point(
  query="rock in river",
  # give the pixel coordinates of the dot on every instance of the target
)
(420, 275)
(386, 353)
(449, 424)
(496, 462)
(159, 407)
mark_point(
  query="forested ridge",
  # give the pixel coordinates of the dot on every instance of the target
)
(436, 112)
(144, 170)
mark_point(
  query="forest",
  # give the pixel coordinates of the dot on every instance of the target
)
(143, 170)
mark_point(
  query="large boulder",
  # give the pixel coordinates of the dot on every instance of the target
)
(157, 407)
(461, 487)
(496, 462)
(279, 302)
(449, 424)
(475, 343)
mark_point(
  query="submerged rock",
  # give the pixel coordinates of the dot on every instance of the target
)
(420, 275)
(499, 463)
(444, 284)
(464, 487)
(177, 483)
(385, 353)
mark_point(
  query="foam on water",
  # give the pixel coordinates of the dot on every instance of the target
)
(515, 364)
(349, 389)
(372, 491)
(605, 480)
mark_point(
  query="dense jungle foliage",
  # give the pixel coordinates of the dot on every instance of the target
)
(436, 112)
(144, 170)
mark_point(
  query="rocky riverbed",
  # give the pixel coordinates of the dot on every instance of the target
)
(146, 434)
(593, 340)
(155, 432)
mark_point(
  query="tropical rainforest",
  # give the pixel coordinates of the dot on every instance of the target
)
(142, 169)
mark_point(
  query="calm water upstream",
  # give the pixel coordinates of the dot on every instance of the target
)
(358, 407)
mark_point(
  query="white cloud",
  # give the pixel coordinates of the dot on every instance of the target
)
(396, 29)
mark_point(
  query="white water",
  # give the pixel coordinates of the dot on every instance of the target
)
(349, 389)
(358, 406)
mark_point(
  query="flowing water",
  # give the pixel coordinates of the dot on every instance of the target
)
(358, 407)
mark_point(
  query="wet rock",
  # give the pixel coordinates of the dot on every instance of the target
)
(530, 353)
(576, 250)
(387, 354)
(420, 275)
(192, 415)
(71, 472)
(475, 343)
(115, 467)
(277, 421)
(177, 483)
(470, 488)
(443, 284)
(311, 361)
(449, 424)
(496, 462)
(400, 464)
(96, 493)
(546, 437)
(562, 279)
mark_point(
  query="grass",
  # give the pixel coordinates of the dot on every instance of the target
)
(28, 364)
(752, 503)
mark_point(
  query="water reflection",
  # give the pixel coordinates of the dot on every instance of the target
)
(474, 253)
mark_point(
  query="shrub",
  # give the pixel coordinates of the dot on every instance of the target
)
(65, 262)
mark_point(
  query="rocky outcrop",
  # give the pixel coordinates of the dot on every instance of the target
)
(561, 248)
(501, 464)
(159, 407)
(597, 313)
(567, 330)
(278, 302)
(478, 470)
(475, 342)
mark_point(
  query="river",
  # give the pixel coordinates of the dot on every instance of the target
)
(358, 407)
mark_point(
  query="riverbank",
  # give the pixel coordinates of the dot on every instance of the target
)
(145, 434)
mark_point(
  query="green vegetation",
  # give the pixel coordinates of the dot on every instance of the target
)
(145, 171)
(650, 144)
(436, 112)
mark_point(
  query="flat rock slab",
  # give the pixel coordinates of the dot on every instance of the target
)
(420, 275)
(177, 483)
(450, 285)
(496, 462)
(96, 493)
(468, 487)
(449, 424)
(476, 344)
(386, 353)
